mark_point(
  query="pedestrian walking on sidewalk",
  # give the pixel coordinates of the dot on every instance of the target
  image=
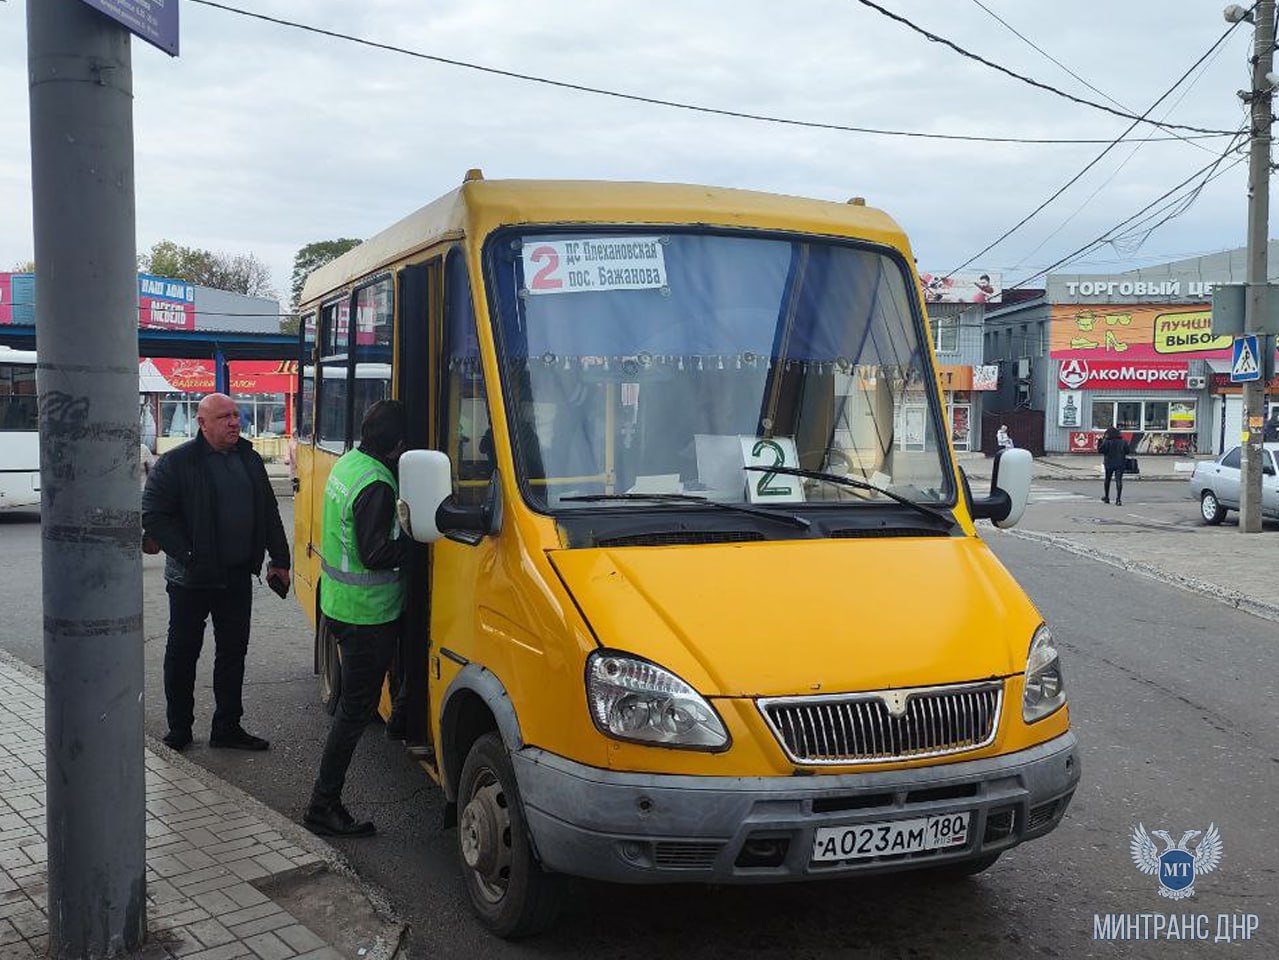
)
(362, 596)
(210, 507)
(1115, 451)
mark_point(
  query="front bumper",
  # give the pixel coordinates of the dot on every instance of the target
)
(645, 828)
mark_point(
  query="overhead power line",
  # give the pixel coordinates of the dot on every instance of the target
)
(1208, 171)
(660, 102)
(1040, 50)
(1097, 159)
(935, 38)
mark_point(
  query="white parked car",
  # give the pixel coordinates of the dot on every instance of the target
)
(1215, 483)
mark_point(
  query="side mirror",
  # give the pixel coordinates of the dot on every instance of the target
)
(426, 508)
(1268, 471)
(1009, 488)
(426, 481)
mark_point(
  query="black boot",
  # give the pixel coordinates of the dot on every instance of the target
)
(333, 820)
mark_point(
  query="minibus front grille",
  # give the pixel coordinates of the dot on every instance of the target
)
(885, 725)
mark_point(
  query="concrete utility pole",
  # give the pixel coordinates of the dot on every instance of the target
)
(1255, 317)
(81, 79)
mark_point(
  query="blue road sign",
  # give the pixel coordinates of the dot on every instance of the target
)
(1245, 363)
(155, 21)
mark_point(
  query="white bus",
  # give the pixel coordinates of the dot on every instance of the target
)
(19, 430)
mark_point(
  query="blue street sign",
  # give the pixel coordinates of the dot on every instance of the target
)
(155, 21)
(1245, 363)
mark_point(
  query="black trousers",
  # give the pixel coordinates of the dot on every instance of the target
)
(367, 653)
(230, 608)
(1118, 474)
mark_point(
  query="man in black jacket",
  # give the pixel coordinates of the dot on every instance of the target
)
(210, 507)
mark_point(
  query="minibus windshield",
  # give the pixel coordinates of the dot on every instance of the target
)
(673, 361)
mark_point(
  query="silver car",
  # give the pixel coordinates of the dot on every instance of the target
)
(1215, 483)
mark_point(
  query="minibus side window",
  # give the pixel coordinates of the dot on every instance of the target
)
(466, 433)
(374, 326)
(333, 418)
(306, 394)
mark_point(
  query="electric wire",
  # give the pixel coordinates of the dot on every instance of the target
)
(935, 38)
(1097, 159)
(1040, 50)
(1207, 169)
(1114, 173)
(660, 102)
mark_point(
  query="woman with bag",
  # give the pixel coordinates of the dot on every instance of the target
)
(1115, 451)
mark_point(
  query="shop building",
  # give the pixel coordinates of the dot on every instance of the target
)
(1132, 350)
(171, 386)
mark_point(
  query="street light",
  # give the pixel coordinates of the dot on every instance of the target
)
(1234, 13)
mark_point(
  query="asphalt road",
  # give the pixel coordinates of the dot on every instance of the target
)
(1172, 696)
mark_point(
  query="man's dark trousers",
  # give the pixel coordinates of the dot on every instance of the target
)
(231, 608)
(367, 652)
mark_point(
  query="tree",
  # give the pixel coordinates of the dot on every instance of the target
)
(28, 266)
(312, 257)
(242, 273)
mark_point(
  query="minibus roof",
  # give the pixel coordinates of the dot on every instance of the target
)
(480, 206)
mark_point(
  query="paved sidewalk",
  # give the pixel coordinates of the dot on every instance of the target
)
(211, 851)
(1086, 467)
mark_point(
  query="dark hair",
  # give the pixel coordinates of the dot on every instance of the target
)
(1111, 433)
(383, 426)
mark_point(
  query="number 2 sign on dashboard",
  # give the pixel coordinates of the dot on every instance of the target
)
(596, 264)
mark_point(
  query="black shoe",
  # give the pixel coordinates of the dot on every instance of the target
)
(1119, 503)
(333, 820)
(1105, 499)
(177, 739)
(237, 739)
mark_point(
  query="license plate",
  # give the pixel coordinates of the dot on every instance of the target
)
(891, 838)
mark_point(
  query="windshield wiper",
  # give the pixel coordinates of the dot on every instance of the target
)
(844, 481)
(787, 518)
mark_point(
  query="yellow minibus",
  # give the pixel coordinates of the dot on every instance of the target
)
(701, 598)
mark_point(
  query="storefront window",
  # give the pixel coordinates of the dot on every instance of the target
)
(1145, 416)
(1181, 415)
(1103, 414)
(1156, 414)
(1128, 414)
(177, 415)
(261, 414)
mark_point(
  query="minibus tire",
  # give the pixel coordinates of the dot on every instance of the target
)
(330, 668)
(517, 898)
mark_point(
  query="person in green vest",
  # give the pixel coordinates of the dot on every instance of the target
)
(362, 595)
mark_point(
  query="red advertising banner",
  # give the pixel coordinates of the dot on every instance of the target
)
(1076, 374)
(165, 314)
(6, 298)
(247, 376)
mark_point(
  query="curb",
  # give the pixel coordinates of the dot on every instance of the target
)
(1231, 598)
(331, 859)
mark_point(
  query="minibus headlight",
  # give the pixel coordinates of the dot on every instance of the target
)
(1044, 691)
(633, 699)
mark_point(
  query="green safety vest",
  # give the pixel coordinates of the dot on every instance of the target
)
(351, 592)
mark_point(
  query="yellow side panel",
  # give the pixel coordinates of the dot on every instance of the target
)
(313, 466)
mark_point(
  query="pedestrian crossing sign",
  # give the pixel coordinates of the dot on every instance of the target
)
(1245, 364)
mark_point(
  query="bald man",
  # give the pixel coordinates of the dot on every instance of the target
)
(209, 505)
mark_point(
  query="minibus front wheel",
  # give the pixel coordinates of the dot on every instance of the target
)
(510, 892)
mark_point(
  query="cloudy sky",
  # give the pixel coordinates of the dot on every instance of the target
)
(261, 138)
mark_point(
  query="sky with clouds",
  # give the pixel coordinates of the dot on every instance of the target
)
(262, 138)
